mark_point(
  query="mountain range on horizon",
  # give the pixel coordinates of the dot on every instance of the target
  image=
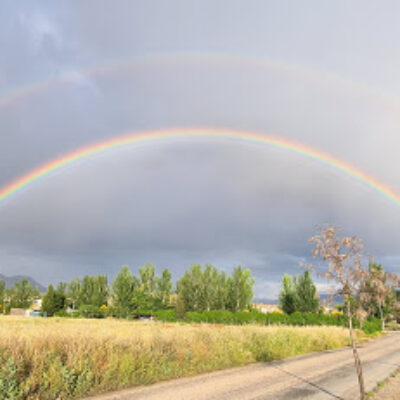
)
(10, 281)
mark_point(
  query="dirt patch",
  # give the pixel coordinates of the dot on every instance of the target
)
(390, 389)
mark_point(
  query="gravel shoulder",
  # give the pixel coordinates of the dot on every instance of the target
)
(390, 389)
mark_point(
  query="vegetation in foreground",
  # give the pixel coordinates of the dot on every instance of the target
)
(71, 358)
(370, 326)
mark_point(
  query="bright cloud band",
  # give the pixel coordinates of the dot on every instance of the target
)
(206, 133)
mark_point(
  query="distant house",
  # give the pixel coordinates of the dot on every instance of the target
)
(35, 310)
(36, 306)
(267, 308)
(19, 312)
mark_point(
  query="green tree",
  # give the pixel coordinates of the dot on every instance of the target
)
(54, 300)
(215, 284)
(87, 290)
(49, 303)
(190, 289)
(164, 288)
(74, 293)
(148, 279)
(61, 296)
(145, 287)
(22, 294)
(306, 298)
(93, 290)
(287, 295)
(210, 289)
(123, 288)
(215, 290)
(221, 291)
(179, 307)
(100, 291)
(240, 289)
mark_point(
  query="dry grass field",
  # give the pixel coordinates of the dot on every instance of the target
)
(70, 358)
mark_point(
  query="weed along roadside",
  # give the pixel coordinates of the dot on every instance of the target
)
(74, 358)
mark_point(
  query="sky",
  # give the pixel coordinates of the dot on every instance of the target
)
(73, 73)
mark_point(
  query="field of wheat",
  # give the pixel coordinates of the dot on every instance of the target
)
(67, 358)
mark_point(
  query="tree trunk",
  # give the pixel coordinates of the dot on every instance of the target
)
(382, 318)
(357, 361)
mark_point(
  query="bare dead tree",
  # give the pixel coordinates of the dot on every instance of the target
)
(342, 258)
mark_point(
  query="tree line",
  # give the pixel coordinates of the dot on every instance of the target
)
(21, 295)
(199, 289)
(298, 293)
(377, 296)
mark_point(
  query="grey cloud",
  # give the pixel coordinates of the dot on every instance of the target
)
(179, 202)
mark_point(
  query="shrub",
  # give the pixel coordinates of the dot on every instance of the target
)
(276, 319)
(256, 317)
(61, 313)
(372, 325)
(9, 385)
(75, 314)
(165, 315)
(90, 311)
(296, 319)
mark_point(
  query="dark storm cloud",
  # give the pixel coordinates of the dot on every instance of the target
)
(188, 201)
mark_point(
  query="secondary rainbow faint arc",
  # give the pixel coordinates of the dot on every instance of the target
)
(206, 133)
(16, 93)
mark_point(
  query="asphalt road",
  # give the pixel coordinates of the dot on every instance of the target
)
(316, 376)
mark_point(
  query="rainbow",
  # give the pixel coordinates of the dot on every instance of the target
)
(203, 133)
(15, 94)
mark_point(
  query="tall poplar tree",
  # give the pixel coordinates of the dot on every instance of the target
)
(123, 288)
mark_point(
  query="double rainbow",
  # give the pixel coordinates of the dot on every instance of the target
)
(202, 133)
